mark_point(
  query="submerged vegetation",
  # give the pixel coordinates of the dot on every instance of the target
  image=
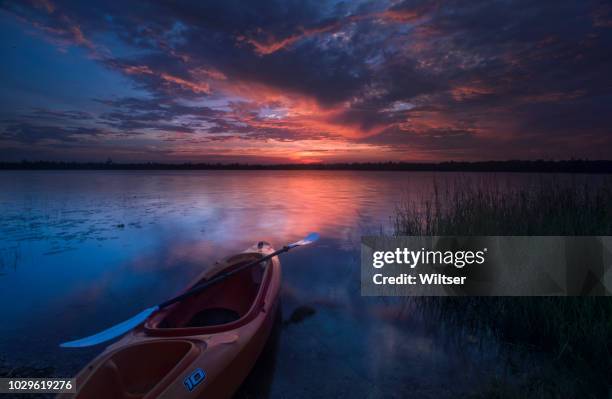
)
(575, 331)
(28, 371)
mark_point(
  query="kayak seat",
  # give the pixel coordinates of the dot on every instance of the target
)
(223, 303)
(213, 317)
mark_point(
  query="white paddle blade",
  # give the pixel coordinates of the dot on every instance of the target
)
(309, 239)
(112, 332)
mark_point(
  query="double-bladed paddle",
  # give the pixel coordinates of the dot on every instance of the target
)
(123, 327)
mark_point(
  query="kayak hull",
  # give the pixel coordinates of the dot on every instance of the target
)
(200, 348)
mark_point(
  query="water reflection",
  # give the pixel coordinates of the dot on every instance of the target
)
(82, 250)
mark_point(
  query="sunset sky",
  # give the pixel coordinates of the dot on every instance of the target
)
(300, 81)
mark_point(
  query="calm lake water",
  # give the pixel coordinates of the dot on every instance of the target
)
(80, 251)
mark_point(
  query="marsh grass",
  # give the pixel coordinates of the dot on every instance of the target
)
(575, 330)
(545, 207)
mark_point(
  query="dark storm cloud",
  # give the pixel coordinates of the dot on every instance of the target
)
(134, 114)
(32, 133)
(488, 79)
(42, 113)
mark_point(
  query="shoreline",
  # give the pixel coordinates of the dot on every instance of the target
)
(510, 166)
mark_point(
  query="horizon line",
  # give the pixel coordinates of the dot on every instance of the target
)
(539, 165)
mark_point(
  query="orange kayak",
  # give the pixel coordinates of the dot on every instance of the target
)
(201, 347)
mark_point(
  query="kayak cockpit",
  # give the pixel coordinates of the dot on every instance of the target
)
(223, 304)
(134, 371)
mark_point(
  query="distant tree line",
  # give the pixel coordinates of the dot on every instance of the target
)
(568, 166)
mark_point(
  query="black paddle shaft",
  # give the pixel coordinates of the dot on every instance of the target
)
(201, 287)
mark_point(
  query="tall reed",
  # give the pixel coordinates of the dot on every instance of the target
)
(574, 328)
